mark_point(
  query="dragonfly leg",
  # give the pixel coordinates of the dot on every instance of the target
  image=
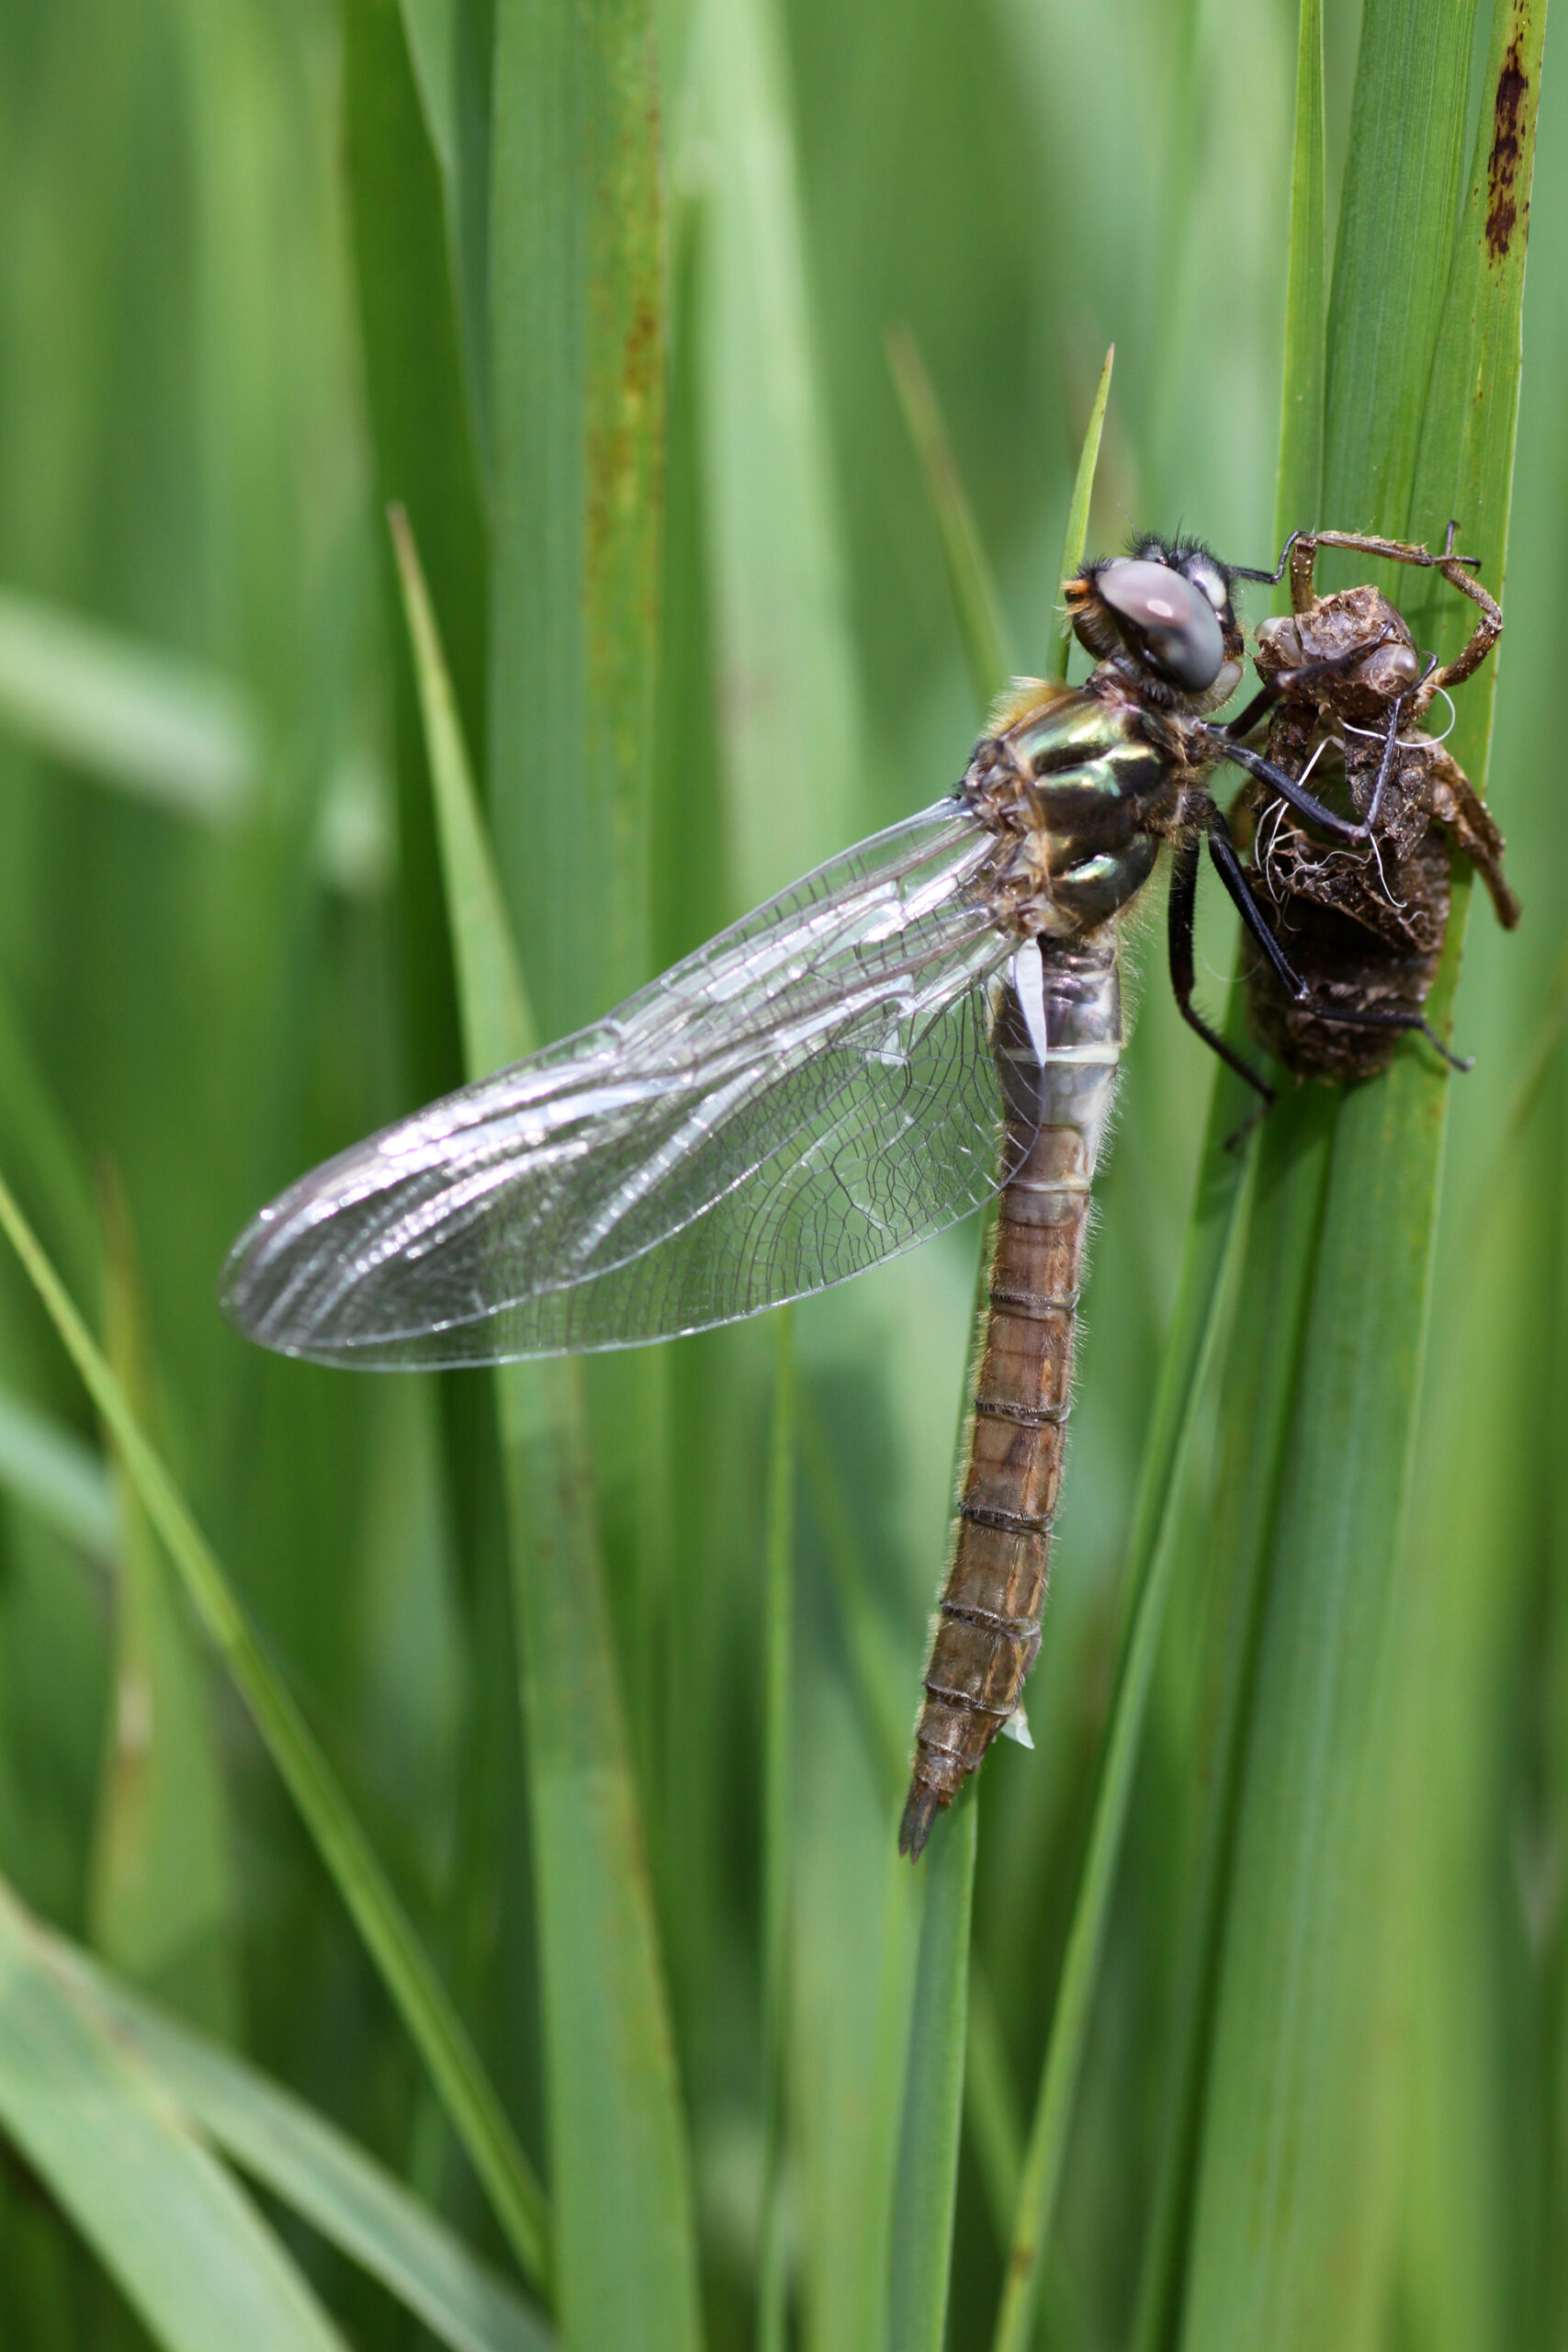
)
(1228, 866)
(1271, 579)
(1183, 902)
(1306, 804)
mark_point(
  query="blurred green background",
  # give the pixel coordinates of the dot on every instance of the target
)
(219, 961)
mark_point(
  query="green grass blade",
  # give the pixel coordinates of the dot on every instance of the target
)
(161, 1891)
(778, 1808)
(451, 47)
(1151, 1559)
(1077, 532)
(425, 462)
(1299, 496)
(625, 2270)
(1292, 2186)
(308, 2165)
(125, 713)
(471, 2105)
(787, 694)
(1404, 175)
(933, 2099)
(496, 1022)
(990, 2106)
(627, 2262)
(45, 1465)
(1261, 1367)
(189, 2249)
(50, 1171)
(577, 344)
(1265, 1347)
(975, 601)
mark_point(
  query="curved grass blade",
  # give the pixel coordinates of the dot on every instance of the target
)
(472, 2107)
(1077, 531)
(1293, 2187)
(45, 1465)
(309, 2165)
(187, 2247)
(128, 715)
(626, 2265)
(975, 601)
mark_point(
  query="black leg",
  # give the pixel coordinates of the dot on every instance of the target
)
(1391, 740)
(1245, 571)
(1183, 900)
(1227, 865)
(1386, 765)
(1306, 804)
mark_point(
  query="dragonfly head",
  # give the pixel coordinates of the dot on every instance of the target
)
(1163, 614)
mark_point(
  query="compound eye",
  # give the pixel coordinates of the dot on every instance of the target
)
(1212, 580)
(1178, 624)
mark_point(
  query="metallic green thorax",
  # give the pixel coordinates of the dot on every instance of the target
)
(1081, 784)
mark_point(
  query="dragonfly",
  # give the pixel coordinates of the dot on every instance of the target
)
(1364, 929)
(929, 1022)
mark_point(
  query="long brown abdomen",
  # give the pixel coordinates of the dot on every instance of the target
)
(988, 1624)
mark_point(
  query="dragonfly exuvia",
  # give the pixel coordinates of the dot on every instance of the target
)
(930, 1021)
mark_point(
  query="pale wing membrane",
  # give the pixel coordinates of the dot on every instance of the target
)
(809, 1094)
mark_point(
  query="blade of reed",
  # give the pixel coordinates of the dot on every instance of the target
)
(778, 1812)
(162, 1887)
(452, 48)
(1300, 493)
(926, 2186)
(187, 2247)
(1404, 176)
(1259, 1393)
(1295, 2178)
(879, 1674)
(128, 714)
(1151, 1557)
(46, 1466)
(50, 1174)
(417, 1993)
(424, 461)
(990, 2106)
(787, 694)
(975, 602)
(1076, 530)
(313, 2168)
(1264, 1354)
(626, 2255)
(933, 2094)
(577, 405)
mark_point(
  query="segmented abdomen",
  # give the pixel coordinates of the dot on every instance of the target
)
(988, 1624)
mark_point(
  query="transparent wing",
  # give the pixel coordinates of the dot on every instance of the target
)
(810, 1092)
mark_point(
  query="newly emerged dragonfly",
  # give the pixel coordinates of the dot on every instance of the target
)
(929, 1019)
(1364, 928)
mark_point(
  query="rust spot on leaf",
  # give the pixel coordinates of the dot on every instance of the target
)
(1507, 148)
